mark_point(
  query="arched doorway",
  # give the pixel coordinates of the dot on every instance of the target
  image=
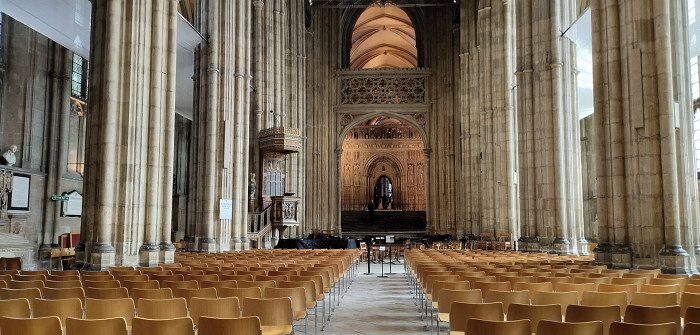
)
(383, 163)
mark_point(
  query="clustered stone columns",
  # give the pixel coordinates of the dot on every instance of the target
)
(221, 126)
(129, 154)
(59, 121)
(487, 181)
(647, 191)
(551, 216)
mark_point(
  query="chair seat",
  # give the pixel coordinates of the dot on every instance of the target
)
(276, 330)
(319, 297)
(311, 304)
(435, 304)
(444, 317)
(456, 332)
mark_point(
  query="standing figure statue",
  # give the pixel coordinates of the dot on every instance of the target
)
(251, 186)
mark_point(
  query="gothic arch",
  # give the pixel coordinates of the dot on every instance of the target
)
(378, 158)
(359, 119)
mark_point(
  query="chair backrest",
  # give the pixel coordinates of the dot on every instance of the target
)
(18, 284)
(261, 284)
(214, 307)
(625, 281)
(653, 314)
(692, 314)
(534, 313)
(689, 300)
(62, 308)
(240, 292)
(15, 308)
(606, 314)
(64, 293)
(485, 286)
(690, 328)
(27, 293)
(270, 311)
(189, 293)
(563, 299)
(579, 288)
(626, 328)
(110, 308)
(631, 289)
(308, 286)
(297, 294)
(106, 293)
(48, 325)
(173, 284)
(150, 293)
(170, 326)
(673, 288)
(64, 283)
(460, 312)
(161, 308)
(111, 326)
(534, 287)
(508, 297)
(654, 299)
(249, 325)
(605, 299)
(548, 327)
(102, 284)
(147, 284)
(489, 327)
(447, 297)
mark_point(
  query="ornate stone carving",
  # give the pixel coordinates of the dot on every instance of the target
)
(5, 190)
(420, 118)
(281, 139)
(382, 90)
(345, 119)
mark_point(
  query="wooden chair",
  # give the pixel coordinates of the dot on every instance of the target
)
(275, 314)
(534, 313)
(460, 312)
(23, 276)
(111, 326)
(652, 288)
(606, 299)
(563, 299)
(170, 326)
(310, 295)
(534, 287)
(229, 326)
(687, 300)
(173, 284)
(28, 293)
(142, 284)
(630, 289)
(654, 299)
(69, 273)
(62, 278)
(97, 277)
(214, 307)
(62, 308)
(131, 277)
(606, 314)
(101, 284)
(627, 328)
(490, 327)
(49, 325)
(157, 293)
(161, 308)
(13, 263)
(627, 280)
(691, 328)
(189, 293)
(548, 327)
(261, 284)
(653, 314)
(574, 287)
(446, 299)
(508, 297)
(19, 285)
(15, 308)
(298, 297)
(110, 308)
(498, 286)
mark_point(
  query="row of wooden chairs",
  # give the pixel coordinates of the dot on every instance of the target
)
(52, 325)
(477, 326)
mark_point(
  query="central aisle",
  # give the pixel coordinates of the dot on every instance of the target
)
(376, 306)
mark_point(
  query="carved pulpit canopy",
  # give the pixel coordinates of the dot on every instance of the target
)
(280, 139)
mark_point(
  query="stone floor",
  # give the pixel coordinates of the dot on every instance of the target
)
(377, 306)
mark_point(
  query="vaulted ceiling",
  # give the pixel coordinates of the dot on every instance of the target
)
(383, 38)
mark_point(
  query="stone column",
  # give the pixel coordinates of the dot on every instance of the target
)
(59, 123)
(222, 121)
(646, 180)
(126, 155)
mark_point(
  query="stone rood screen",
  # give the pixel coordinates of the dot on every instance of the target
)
(382, 87)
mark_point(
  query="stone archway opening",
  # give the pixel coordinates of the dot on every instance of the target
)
(383, 168)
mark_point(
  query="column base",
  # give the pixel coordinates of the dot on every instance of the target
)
(562, 246)
(245, 242)
(207, 244)
(167, 253)
(583, 247)
(80, 257)
(528, 244)
(674, 260)
(236, 243)
(148, 254)
(103, 256)
(603, 255)
(621, 257)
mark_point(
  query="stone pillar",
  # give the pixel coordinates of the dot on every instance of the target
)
(59, 123)
(222, 123)
(646, 181)
(127, 160)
